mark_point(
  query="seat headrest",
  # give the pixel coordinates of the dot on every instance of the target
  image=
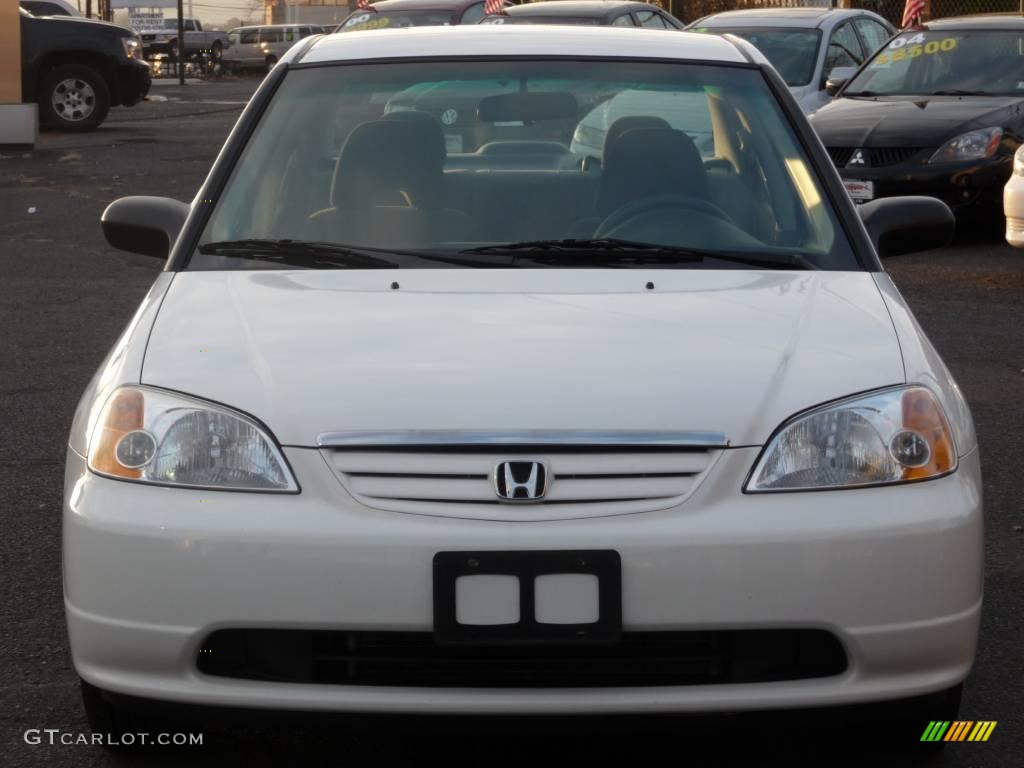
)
(397, 160)
(650, 162)
(632, 122)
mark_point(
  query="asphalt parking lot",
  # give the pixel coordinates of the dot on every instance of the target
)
(64, 298)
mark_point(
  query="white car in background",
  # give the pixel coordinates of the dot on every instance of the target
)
(806, 44)
(383, 438)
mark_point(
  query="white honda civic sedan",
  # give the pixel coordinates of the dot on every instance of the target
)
(427, 413)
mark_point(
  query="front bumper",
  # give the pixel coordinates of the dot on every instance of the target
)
(133, 82)
(969, 188)
(894, 573)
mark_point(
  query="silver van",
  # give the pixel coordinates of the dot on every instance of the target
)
(261, 47)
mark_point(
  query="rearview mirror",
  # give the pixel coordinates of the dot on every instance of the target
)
(528, 106)
(837, 79)
(146, 225)
(899, 225)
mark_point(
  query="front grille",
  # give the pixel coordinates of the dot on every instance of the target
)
(461, 482)
(879, 158)
(874, 157)
(840, 155)
(413, 659)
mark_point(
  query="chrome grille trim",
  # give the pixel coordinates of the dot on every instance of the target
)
(459, 481)
(538, 437)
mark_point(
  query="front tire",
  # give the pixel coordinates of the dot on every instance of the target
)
(906, 725)
(271, 61)
(106, 719)
(73, 97)
(120, 725)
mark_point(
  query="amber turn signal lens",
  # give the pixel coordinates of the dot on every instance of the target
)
(922, 414)
(124, 413)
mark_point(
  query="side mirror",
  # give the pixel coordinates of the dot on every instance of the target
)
(146, 225)
(837, 79)
(899, 225)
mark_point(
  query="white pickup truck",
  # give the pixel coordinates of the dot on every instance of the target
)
(164, 39)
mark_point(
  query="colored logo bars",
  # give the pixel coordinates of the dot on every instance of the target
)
(958, 730)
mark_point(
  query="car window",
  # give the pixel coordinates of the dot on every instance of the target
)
(271, 35)
(442, 156)
(248, 36)
(368, 20)
(950, 61)
(650, 20)
(233, 37)
(793, 52)
(473, 14)
(873, 34)
(844, 49)
(625, 20)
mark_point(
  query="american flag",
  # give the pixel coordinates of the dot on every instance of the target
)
(912, 11)
(494, 7)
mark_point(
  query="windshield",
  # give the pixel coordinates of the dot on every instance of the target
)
(505, 159)
(954, 62)
(396, 20)
(793, 52)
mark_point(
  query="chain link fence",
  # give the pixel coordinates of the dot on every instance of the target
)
(691, 10)
(893, 9)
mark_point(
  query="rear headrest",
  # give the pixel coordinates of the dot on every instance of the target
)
(393, 161)
(623, 124)
(650, 162)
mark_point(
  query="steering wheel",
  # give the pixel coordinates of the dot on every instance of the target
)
(627, 214)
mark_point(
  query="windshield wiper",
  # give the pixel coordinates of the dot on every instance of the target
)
(866, 94)
(612, 252)
(311, 254)
(958, 92)
(299, 253)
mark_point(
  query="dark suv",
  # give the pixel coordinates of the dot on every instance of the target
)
(76, 69)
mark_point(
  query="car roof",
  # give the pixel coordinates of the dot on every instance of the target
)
(776, 17)
(417, 5)
(508, 40)
(576, 8)
(980, 21)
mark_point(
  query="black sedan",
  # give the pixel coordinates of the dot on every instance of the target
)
(597, 13)
(938, 111)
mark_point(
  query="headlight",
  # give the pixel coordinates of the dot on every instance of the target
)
(589, 136)
(132, 46)
(893, 436)
(969, 146)
(1018, 161)
(151, 436)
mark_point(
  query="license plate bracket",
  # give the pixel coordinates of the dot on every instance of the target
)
(527, 566)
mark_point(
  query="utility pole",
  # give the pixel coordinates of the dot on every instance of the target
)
(181, 43)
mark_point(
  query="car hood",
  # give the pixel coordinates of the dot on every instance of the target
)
(905, 121)
(727, 351)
